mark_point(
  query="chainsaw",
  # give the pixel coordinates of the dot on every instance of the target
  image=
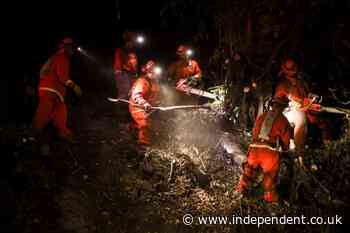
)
(183, 85)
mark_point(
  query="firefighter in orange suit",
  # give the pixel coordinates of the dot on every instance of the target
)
(296, 91)
(271, 134)
(185, 69)
(54, 79)
(299, 111)
(125, 65)
(144, 94)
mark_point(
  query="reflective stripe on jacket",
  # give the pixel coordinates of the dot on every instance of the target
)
(280, 131)
(55, 73)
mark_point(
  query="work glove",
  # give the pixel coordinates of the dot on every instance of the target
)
(74, 87)
(147, 107)
(77, 90)
(254, 85)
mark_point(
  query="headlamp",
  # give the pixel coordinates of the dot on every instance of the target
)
(189, 52)
(157, 70)
(140, 39)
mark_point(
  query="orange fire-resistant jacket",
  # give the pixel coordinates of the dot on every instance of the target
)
(280, 130)
(294, 89)
(122, 61)
(144, 91)
(54, 74)
(184, 69)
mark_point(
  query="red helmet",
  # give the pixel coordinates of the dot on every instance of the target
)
(148, 67)
(66, 41)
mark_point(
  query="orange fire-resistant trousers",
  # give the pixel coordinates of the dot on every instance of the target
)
(143, 124)
(51, 109)
(268, 160)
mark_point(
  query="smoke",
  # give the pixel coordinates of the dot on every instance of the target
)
(198, 127)
(168, 95)
(199, 136)
(198, 131)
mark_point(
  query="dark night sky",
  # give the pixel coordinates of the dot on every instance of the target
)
(87, 18)
(94, 24)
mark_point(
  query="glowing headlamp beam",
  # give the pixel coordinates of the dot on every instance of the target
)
(189, 52)
(140, 39)
(86, 54)
(157, 70)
